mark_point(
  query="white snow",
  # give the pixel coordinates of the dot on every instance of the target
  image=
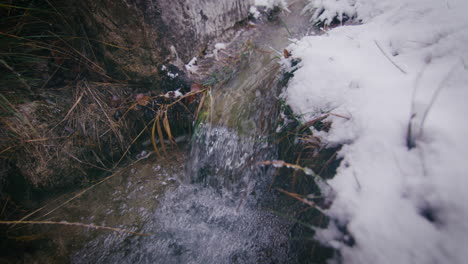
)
(270, 4)
(192, 67)
(218, 47)
(408, 57)
(170, 74)
(325, 11)
(254, 12)
(173, 94)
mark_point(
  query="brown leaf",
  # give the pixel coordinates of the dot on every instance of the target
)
(196, 87)
(142, 99)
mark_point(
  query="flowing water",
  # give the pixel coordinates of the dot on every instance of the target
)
(208, 202)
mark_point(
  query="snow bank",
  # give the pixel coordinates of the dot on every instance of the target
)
(270, 4)
(408, 58)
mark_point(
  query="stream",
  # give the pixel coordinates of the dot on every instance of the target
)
(207, 201)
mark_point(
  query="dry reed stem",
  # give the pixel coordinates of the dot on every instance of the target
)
(327, 163)
(160, 133)
(295, 176)
(111, 122)
(167, 128)
(70, 111)
(73, 107)
(101, 70)
(18, 75)
(280, 163)
(128, 148)
(4, 207)
(153, 137)
(74, 224)
(202, 101)
(299, 198)
(87, 163)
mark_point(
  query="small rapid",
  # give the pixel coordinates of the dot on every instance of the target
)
(209, 202)
(221, 210)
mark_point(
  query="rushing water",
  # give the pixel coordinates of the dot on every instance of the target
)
(220, 210)
(209, 204)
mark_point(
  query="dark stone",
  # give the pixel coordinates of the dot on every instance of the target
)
(138, 36)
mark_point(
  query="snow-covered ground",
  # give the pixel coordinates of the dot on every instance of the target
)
(407, 60)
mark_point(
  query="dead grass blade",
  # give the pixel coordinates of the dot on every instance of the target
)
(74, 224)
(185, 96)
(301, 199)
(7, 149)
(100, 70)
(35, 211)
(153, 137)
(388, 58)
(280, 163)
(77, 195)
(87, 163)
(202, 101)
(71, 110)
(128, 148)
(167, 128)
(5, 205)
(160, 134)
(297, 197)
(18, 75)
(5, 103)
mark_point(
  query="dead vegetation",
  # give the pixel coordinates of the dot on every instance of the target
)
(64, 120)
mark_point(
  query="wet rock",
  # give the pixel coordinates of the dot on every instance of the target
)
(142, 35)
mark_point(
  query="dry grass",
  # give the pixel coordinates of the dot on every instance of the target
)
(73, 224)
(40, 51)
(41, 140)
